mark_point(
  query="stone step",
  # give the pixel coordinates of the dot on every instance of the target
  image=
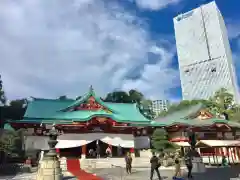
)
(107, 163)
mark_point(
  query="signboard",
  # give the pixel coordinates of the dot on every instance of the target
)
(142, 142)
(97, 129)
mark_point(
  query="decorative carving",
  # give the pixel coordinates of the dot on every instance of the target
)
(203, 115)
(101, 119)
(91, 104)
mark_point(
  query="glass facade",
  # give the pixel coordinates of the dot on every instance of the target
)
(204, 54)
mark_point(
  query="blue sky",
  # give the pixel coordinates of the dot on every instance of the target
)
(53, 48)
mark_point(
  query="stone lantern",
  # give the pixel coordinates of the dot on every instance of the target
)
(49, 169)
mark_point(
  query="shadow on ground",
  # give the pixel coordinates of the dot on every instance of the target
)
(219, 173)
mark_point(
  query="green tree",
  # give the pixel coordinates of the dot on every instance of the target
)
(133, 96)
(160, 141)
(223, 103)
(136, 96)
(64, 97)
(3, 98)
(118, 97)
(11, 143)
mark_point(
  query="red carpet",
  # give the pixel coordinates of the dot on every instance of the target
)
(73, 166)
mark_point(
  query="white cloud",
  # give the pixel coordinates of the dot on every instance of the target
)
(233, 28)
(53, 48)
(156, 4)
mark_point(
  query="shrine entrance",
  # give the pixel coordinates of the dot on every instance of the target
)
(103, 147)
(80, 144)
(93, 145)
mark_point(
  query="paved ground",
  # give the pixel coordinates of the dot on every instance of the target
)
(143, 174)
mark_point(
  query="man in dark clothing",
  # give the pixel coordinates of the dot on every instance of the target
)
(188, 162)
(119, 150)
(154, 166)
(128, 160)
(98, 151)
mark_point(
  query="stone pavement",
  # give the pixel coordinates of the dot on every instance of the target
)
(143, 174)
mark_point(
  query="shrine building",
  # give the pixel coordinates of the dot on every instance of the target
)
(88, 121)
(82, 124)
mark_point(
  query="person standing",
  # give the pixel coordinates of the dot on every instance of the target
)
(224, 161)
(90, 152)
(128, 160)
(119, 150)
(177, 173)
(188, 162)
(98, 151)
(155, 164)
(108, 152)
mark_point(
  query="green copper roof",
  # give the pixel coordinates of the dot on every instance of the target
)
(53, 110)
(186, 117)
(183, 114)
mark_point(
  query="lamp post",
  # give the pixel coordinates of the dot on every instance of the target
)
(50, 167)
(51, 154)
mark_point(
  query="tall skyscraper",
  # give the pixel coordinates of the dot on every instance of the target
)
(204, 54)
(158, 106)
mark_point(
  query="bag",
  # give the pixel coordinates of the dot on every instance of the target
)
(159, 163)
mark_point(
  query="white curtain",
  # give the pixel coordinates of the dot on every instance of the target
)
(74, 140)
(116, 141)
(71, 143)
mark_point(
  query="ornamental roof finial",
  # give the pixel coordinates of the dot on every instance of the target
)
(91, 88)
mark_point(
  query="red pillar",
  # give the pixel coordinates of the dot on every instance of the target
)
(84, 151)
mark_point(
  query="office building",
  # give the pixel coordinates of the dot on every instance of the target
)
(158, 106)
(204, 54)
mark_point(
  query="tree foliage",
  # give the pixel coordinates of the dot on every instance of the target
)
(15, 110)
(160, 141)
(11, 141)
(3, 98)
(133, 96)
(220, 104)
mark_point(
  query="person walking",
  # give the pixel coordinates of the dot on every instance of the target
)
(108, 152)
(188, 162)
(98, 151)
(119, 150)
(177, 173)
(155, 164)
(224, 161)
(128, 160)
(90, 152)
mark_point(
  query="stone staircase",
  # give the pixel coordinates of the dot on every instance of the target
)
(63, 166)
(111, 162)
(142, 161)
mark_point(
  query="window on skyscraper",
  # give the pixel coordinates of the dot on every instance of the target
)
(213, 70)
